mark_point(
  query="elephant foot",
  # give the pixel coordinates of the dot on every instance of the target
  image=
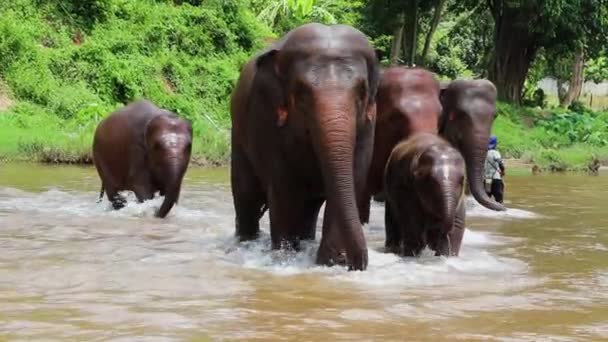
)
(247, 237)
(331, 257)
(118, 202)
(286, 244)
(409, 249)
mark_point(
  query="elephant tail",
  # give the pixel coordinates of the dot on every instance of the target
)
(100, 194)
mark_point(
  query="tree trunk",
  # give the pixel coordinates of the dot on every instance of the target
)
(411, 34)
(561, 91)
(397, 39)
(429, 36)
(511, 57)
(577, 79)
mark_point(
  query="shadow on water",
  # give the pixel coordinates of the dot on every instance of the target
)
(73, 268)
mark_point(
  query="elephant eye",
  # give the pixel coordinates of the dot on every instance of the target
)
(157, 146)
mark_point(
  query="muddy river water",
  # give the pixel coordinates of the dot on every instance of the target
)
(73, 270)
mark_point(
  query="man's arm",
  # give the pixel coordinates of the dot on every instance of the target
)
(501, 164)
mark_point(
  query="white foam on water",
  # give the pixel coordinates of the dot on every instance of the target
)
(59, 202)
(216, 236)
(193, 256)
(474, 209)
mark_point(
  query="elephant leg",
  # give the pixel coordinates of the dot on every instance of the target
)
(457, 232)
(118, 201)
(293, 217)
(248, 196)
(393, 235)
(438, 242)
(364, 207)
(380, 197)
(412, 245)
(143, 189)
(332, 250)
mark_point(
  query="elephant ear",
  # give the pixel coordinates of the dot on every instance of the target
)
(268, 71)
(447, 109)
(373, 67)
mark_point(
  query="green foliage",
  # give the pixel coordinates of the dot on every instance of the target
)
(79, 60)
(596, 70)
(568, 127)
(553, 140)
(284, 15)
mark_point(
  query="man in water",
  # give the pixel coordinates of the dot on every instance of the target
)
(494, 171)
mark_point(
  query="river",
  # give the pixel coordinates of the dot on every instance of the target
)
(73, 270)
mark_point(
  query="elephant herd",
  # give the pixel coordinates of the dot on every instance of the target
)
(315, 120)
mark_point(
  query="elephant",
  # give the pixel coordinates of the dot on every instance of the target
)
(407, 103)
(424, 188)
(303, 116)
(469, 111)
(145, 149)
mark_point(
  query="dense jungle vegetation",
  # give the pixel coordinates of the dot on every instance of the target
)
(65, 64)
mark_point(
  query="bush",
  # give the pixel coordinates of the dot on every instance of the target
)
(79, 60)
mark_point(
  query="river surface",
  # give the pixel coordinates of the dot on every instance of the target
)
(73, 270)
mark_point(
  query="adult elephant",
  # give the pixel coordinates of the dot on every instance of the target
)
(408, 103)
(303, 116)
(469, 111)
(145, 149)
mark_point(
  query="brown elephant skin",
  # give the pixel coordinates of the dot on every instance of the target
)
(408, 103)
(424, 188)
(303, 116)
(469, 111)
(144, 149)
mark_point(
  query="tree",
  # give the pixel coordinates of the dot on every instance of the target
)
(437, 14)
(522, 27)
(283, 15)
(401, 20)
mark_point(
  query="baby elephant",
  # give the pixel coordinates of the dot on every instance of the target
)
(144, 149)
(424, 182)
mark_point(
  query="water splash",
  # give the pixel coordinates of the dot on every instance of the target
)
(474, 209)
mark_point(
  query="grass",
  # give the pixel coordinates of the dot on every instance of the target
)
(66, 64)
(48, 139)
(27, 133)
(554, 140)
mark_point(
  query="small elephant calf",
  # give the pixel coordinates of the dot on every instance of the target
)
(424, 184)
(145, 149)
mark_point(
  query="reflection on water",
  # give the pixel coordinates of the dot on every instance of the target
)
(74, 269)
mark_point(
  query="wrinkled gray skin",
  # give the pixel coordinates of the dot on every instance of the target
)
(469, 110)
(303, 117)
(424, 183)
(144, 149)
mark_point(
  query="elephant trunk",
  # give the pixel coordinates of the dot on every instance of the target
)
(449, 202)
(334, 129)
(173, 183)
(475, 154)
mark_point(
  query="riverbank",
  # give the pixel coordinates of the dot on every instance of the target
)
(534, 138)
(46, 139)
(50, 142)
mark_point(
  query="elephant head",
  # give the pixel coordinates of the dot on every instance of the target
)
(469, 110)
(168, 143)
(408, 103)
(325, 80)
(438, 179)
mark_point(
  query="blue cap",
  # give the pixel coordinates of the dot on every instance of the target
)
(493, 142)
